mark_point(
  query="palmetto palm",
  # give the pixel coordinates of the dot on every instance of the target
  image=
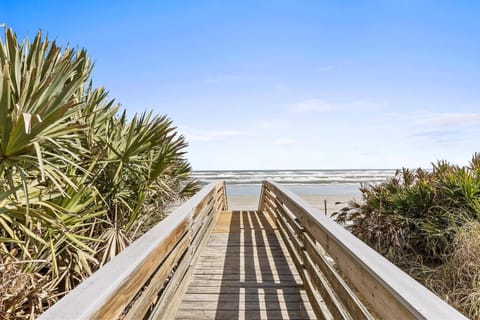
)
(76, 179)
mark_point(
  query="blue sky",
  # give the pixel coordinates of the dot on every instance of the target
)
(286, 84)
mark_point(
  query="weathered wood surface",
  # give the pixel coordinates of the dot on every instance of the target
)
(285, 261)
(329, 257)
(147, 278)
(244, 272)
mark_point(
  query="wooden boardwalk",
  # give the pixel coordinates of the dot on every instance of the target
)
(285, 261)
(245, 272)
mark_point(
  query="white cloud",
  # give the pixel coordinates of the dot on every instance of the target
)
(284, 141)
(313, 105)
(318, 105)
(273, 124)
(445, 130)
(442, 120)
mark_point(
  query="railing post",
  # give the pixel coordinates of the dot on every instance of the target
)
(385, 288)
(163, 253)
(225, 198)
(261, 200)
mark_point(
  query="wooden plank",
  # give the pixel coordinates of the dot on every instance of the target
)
(245, 284)
(262, 256)
(390, 291)
(270, 202)
(251, 305)
(247, 266)
(110, 289)
(198, 220)
(290, 218)
(170, 303)
(266, 220)
(261, 200)
(234, 236)
(138, 277)
(143, 303)
(320, 309)
(271, 248)
(270, 211)
(293, 240)
(171, 293)
(220, 202)
(242, 314)
(347, 296)
(205, 201)
(290, 247)
(248, 277)
(241, 270)
(227, 258)
(279, 270)
(244, 222)
(202, 234)
(269, 189)
(223, 224)
(234, 290)
(319, 282)
(266, 248)
(221, 198)
(204, 239)
(292, 234)
(295, 297)
(227, 261)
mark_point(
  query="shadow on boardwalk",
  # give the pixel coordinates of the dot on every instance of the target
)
(258, 281)
(243, 273)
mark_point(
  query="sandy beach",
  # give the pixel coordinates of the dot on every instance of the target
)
(336, 187)
(334, 202)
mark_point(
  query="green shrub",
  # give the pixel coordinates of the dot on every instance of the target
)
(77, 180)
(414, 218)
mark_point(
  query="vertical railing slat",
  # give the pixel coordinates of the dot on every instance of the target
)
(152, 257)
(383, 289)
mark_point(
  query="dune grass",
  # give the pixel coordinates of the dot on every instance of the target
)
(428, 223)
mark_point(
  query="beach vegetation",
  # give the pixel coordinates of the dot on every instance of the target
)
(79, 180)
(428, 223)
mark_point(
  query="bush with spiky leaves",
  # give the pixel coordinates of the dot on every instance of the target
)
(417, 220)
(76, 179)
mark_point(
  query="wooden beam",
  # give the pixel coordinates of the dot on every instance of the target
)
(143, 303)
(109, 290)
(389, 290)
(346, 295)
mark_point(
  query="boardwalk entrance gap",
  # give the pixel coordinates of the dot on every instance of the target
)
(285, 260)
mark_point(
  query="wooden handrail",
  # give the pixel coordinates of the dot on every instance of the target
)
(344, 277)
(145, 279)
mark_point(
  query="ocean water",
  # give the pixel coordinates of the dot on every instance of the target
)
(303, 182)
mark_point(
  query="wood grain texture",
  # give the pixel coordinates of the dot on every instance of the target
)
(345, 293)
(244, 272)
(286, 261)
(107, 293)
(381, 285)
(141, 305)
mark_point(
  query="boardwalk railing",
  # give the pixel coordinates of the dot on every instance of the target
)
(147, 279)
(344, 277)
